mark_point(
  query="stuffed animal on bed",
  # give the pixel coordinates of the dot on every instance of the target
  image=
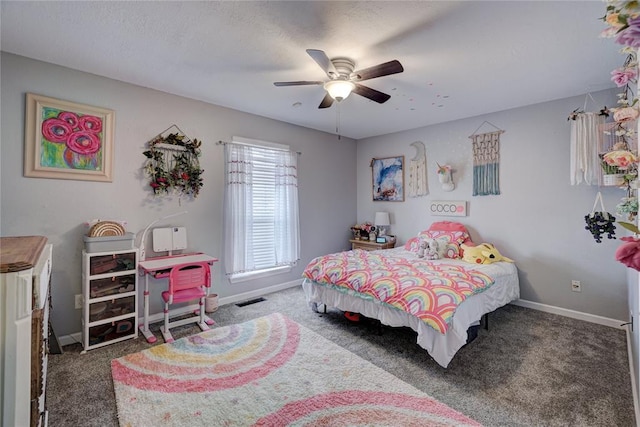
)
(430, 249)
(484, 253)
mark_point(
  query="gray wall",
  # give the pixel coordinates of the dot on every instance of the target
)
(59, 208)
(538, 220)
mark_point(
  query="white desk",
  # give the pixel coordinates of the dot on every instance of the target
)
(159, 267)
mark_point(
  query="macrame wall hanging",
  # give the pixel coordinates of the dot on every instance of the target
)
(418, 172)
(486, 161)
(585, 140)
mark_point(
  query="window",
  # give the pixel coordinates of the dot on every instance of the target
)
(261, 209)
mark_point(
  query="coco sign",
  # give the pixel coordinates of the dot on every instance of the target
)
(448, 208)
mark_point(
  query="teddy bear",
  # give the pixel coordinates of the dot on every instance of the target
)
(484, 253)
(429, 249)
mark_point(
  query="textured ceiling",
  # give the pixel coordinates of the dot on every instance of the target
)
(461, 59)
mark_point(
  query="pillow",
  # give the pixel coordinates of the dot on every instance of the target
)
(444, 229)
(412, 245)
(448, 226)
(451, 226)
(452, 240)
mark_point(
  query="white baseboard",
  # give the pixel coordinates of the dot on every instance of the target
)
(570, 313)
(70, 339)
(260, 292)
(77, 337)
(157, 317)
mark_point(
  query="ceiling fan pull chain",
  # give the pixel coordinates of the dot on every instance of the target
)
(338, 121)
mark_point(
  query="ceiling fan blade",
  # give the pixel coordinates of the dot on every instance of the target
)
(372, 94)
(327, 101)
(391, 67)
(300, 83)
(324, 62)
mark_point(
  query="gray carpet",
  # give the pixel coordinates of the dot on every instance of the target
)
(529, 369)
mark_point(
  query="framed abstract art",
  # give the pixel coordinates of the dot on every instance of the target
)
(388, 179)
(66, 140)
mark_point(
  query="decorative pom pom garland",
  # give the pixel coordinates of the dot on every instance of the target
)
(599, 223)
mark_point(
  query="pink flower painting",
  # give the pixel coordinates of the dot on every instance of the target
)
(71, 140)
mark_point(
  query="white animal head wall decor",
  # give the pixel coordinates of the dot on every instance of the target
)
(445, 177)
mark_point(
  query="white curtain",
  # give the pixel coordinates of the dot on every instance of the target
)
(261, 208)
(287, 235)
(238, 208)
(585, 163)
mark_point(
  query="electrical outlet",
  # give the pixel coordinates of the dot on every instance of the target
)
(576, 286)
(78, 301)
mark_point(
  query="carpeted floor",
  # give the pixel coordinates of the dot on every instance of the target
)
(529, 369)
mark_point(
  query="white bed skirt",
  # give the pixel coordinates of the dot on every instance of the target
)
(442, 347)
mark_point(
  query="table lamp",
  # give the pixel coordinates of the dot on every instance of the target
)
(143, 252)
(382, 222)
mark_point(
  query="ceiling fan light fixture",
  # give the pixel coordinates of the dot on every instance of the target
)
(339, 89)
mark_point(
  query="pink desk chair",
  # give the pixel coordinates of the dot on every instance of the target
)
(187, 282)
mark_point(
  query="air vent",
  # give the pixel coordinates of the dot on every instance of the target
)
(249, 302)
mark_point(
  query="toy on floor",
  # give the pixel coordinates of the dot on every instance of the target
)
(484, 253)
(354, 317)
(430, 249)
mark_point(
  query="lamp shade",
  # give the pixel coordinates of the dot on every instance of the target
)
(339, 89)
(382, 218)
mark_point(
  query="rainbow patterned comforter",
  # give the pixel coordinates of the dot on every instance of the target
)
(428, 290)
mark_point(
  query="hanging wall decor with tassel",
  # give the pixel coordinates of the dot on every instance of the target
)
(418, 171)
(486, 162)
(585, 141)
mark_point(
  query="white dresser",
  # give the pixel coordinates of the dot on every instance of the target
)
(25, 267)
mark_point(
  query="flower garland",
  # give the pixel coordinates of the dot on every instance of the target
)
(183, 174)
(628, 207)
(623, 20)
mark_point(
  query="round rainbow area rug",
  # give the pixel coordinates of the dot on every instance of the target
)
(269, 371)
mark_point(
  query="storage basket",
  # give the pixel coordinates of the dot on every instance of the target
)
(109, 243)
(616, 180)
(211, 303)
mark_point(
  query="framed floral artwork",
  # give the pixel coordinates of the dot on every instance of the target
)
(388, 179)
(66, 140)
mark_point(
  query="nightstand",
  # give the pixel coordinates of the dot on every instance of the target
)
(370, 246)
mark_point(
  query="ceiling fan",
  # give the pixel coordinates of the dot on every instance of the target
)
(344, 80)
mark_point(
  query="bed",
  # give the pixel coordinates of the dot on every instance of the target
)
(439, 299)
